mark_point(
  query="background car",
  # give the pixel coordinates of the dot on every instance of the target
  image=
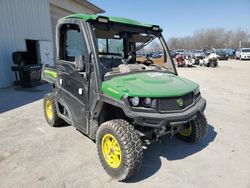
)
(188, 58)
(209, 51)
(221, 54)
(210, 61)
(230, 52)
(173, 53)
(197, 56)
(243, 53)
(180, 51)
(157, 55)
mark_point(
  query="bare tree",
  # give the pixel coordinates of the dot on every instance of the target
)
(211, 38)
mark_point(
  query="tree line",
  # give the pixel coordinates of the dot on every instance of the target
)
(211, 38)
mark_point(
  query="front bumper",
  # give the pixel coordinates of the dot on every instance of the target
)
(198, 57)
(245, 57)
(223, 57)
(157, 120)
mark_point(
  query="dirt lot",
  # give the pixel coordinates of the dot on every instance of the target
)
(32, 154)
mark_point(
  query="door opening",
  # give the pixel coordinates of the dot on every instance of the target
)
(31, 46)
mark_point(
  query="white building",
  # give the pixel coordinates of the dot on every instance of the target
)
(22, 20)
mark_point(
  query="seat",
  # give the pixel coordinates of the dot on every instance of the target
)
(110, 63)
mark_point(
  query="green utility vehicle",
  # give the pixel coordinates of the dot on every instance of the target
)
(115, 81)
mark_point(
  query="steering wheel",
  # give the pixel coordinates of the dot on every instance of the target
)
(148, 62)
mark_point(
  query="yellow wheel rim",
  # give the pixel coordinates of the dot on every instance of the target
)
(48, 109)
(187, 131)
(111, 151)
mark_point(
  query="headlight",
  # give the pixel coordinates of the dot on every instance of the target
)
(134, 101)
(147, 102)
(140, 102)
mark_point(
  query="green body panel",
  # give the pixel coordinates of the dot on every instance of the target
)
(88, 17)
(148, 84)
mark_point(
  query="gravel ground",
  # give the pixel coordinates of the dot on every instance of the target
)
(32, 154)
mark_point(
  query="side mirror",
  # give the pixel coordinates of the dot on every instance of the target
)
(80, 63)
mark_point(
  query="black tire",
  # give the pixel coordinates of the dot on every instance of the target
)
(130, 144)
(199, 128)
(55, 120)
(215, 64)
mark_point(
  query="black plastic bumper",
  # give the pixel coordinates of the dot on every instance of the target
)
(158, 120)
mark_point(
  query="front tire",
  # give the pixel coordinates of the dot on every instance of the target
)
(195, 130)
(50, 111)
(119, 149)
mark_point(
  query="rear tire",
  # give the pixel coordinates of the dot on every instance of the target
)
(195, 130)
(50, 111)
(127, 162)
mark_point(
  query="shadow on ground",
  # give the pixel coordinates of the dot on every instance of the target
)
(14, 97)
(171, 149)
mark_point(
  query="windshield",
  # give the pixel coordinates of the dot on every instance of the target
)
(246, 50)
(198, 52)
(209, 51)
(153, 51)
(180, 51)
(220, 52)
(130, 51)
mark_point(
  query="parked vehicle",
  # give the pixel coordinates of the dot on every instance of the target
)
(210, 61)
(188, 59)
(157, 55)
(173, 53)
(197, 56)
(208, 51)
(221, 54)
(180, 61)
(115, 100)
(180, 52)
(243, 53)
(230, 53)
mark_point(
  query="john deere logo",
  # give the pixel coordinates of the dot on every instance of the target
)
(180, 103)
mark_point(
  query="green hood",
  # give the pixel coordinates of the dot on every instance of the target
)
(148, 84)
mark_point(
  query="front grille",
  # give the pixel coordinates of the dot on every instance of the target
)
(175, 103)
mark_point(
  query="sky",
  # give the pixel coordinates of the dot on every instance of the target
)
(180, 18)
